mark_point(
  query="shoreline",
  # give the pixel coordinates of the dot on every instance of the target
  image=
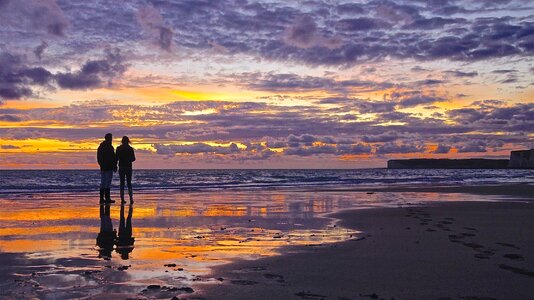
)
(523, 190)
(446, 250)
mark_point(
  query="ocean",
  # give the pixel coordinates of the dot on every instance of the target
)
(45, 181)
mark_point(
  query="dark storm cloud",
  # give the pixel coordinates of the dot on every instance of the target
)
(94, 73)
(16, 77)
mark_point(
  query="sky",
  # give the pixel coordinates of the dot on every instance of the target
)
(264, 84)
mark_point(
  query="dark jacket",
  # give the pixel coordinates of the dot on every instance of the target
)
(125, 156)
(106, 157)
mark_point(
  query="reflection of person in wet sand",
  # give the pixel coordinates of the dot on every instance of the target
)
(125, 241)
(106, 237)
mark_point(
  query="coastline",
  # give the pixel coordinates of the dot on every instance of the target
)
(521, 190)
(458, 250)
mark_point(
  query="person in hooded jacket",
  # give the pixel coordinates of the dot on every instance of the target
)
(108, 164)
(125, 156)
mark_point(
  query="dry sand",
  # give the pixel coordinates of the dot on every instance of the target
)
(462, 250)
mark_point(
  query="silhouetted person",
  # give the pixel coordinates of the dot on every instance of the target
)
(125, 241)
(106, 237)
(108, 164)
(125, 156)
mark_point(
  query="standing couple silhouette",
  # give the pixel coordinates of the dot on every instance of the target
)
(108, 159)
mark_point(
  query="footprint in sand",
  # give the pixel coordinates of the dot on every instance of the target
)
(470, 228)
(508, 245)
(518, 271)
(477, 298)
(309, 295)
(473, 245)
(243, 282)
(456, 238)
(513, 256)
(468, 234)
(278, 278)
(485, 254)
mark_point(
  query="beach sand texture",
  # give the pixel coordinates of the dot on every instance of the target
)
(445, 251)
(229, 247)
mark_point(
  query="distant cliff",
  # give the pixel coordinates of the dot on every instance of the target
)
(473, 163)
(521, 159)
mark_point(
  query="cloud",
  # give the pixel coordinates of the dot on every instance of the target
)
(195, 149)
(388, 136)
(303, 33)
(8, 147)
(37, 15)
(152, 21)
(388, 148)
(432, 23)
(414, 98)
(281, 82)
(38, 51)
(361, 24)
(472, 146)
(10, 118)
(309, 151)
(16, 77)
(354, 149)
(442, 149)
(460, 74)
(94, 73)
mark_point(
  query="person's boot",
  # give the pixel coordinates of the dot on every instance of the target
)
(130, 193)
(108, 196)
(102, 196)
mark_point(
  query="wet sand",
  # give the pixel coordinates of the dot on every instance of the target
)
(461, 250)
(427, 244)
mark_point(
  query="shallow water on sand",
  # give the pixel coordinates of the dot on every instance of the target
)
(65, 245)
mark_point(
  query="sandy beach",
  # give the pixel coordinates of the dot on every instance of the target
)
(390, 243)
(461, 250)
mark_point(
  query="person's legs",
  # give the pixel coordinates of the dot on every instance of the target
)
(103, 183)
(129, 182)
(108, 176)
(122, 176)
